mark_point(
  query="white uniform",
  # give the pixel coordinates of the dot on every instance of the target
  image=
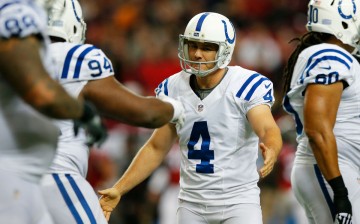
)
(218, 146)
(326, 64)
(27, 138)
(73, 200)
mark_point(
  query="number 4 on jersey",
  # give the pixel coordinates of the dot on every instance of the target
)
(200, 129)
(268, 96)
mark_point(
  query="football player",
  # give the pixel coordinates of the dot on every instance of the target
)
(322, 88)
(228, 117)
(86, 72)
(27, 95)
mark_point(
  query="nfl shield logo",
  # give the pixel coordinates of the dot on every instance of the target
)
(200, 107)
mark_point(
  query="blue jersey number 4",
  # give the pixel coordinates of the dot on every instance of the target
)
(200, 129)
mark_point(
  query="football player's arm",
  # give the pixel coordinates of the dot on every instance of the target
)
(321, 104)
(116, 101)
(144, 163)
(265, 127)
(22, 69)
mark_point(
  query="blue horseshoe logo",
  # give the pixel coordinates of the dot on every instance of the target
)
(342, 14)
(226, 33)
(76, 15)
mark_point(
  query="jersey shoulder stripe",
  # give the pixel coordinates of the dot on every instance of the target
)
(68, 58)
(80, 59)
(162, 87)
(174, 84)
(81, 62)
(6, 4)
(324, 54)
(254, 87)
(248, 81)
(251, 84)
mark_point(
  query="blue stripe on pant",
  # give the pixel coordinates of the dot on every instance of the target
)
(79, 195)
(324, 190)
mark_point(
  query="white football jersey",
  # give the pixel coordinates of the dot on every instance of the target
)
(218, 146)
(75, 66)
(326, 64)
(27, 138)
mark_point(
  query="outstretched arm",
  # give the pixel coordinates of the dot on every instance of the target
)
(145, 162)
(264, 125)
(127, 106)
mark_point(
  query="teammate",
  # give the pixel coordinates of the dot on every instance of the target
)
(85, 71)
(28, 138)
(227, 112)
(322, 88)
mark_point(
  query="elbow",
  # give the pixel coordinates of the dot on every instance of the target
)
(316, 137)
(145, 119)
(152, 121)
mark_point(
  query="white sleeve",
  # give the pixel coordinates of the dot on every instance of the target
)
(162, 88)
(19, 19)
(85, 62)
(254, 91)
(328, 67)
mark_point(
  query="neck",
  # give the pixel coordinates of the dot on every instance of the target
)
(338, 42)
(211, 80)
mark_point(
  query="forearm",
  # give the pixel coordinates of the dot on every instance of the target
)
(142, 166)
(49, 98)
(127, 106)
(147, 112)
(321, 104)
(325, 152)
(272, 139)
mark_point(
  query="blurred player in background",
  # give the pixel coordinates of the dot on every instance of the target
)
(85, 71)
(322, 93)
(227, 113)
(27, 93)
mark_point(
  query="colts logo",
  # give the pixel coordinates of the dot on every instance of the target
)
(341, 12)
(200, 107)
(226, 32)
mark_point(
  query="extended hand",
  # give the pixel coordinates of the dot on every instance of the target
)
(269, 160)
(109, 199)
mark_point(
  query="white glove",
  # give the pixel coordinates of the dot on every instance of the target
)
(179, 111)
